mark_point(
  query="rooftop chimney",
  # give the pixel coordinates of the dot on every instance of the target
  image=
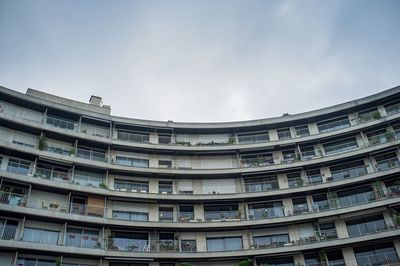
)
(95, 100)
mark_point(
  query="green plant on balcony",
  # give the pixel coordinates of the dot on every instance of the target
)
(58, 261)
(378, 190)
(322, 256)
(333, 200)
(185, 264)
(103, 185)
(42, 142)
(72, 151)
(376, 115)
(232, 139)
(247, 262)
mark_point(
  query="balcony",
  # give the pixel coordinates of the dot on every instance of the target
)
(61, 123)
(133, 137)
(90, 154)
(261, 186)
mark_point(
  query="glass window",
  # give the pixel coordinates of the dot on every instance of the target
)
(220, 212)
(386, 161)
(334, 124)
(300, 205)
(294, 180)
(365, 225)
(347, 170)
(302, 131)
(261, 183)
(40, 236)
(272, 240)
(135, 162)
(130, 216)
(20, 167)
(284, 133)
(256, 137)
(314, 176)
(224, 244)
(131, 186)
(340, 146)
(382, 254)
(265, 210)
(166, 214)
(286, 261)
(165, 187)
(133, 136)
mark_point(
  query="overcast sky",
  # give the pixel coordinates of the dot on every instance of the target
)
(202, 60)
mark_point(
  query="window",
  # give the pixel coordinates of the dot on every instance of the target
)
(368, 115)
(334, 124)
(314, 176)
(220, 212)
(40, 236)
(284, 133)
(273, 240)
(302, 131)
(164, 164)
(88, 179)
(356, 196)
(392, 108)
(131, 186)
(133, 136)
(320, 202)
(382, 254)
(300, 205)
(224, 244)
(256, 137)
(84, 238)
(295, 180)
(135, 162)
(340, 146)
(266, 210)
(20, 167)
(307, 153)
(261, 183)
(129, 241)
(130, 216)
(164, 139)
(188, 245)
(60, 122)
(166, 214)
(165, 187)
(328, 230)
(186, 213)
(91, 154)
(347, 170)
(257, 160)
(365, 225)
(386, 161)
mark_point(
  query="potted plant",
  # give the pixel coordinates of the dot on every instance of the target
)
(42, 142)
(185, 264)
(247, 262)
(378, 190)
(322, 256)
(72, 151)
(232, 139)
(376, 115)
(103, 185)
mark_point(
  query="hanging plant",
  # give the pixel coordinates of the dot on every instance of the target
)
(42, 142)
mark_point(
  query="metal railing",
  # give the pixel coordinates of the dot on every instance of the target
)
(334, 125)
(186, 217)
(261, 186)
(349, 172)
(8, 231)
(14, 199)
(221, 215)
(340, 148)
(61, 123)
(133, 137)
(50, 174)
(387, 164)
(87, 210)
(91, 155)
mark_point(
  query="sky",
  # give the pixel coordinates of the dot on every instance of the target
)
(202, 60)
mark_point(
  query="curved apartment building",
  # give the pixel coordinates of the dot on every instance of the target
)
(82, 187)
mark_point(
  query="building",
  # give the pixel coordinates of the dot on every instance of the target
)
(81, 187)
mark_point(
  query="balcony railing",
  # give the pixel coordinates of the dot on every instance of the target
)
(261, 186)
(221, 215)
(87, 210)
(61, 123)
(91, 155)
(15, 199)
(133, 137)
(340, 148)
(50, 174)
(8, 231)
(183, 246)
(186, 217)
(387, 164)
(348, 173)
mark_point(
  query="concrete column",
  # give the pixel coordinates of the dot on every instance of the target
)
(201, 241)
(282, 181)
(369, 165)
(238, 185)
(197, 186)
(277, 157)
(293, 233)
(325, 173)
(382, 110)
(353, 118)
(287, 205)
(313, 128)
(396, 244)
(341, 229)
(198, 212)
(153, 212)
(242, 209)
(361, 142)
(298, 259)
(349, 256)
(153, 137)
(246, 239)
(153, 161)
(153, 185)
(273, 135)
